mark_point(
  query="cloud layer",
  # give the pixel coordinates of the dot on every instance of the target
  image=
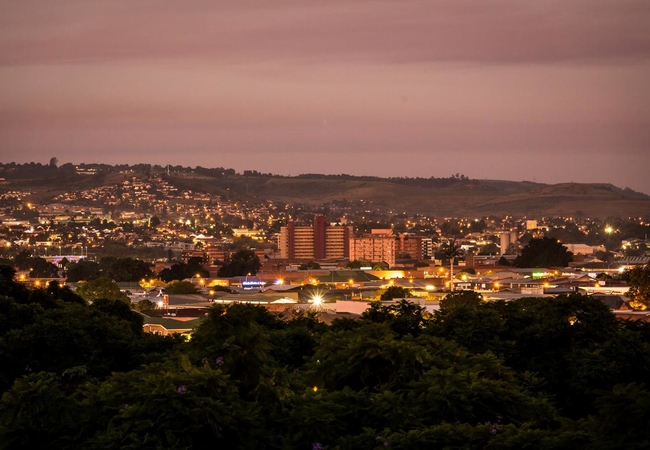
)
(553, 91)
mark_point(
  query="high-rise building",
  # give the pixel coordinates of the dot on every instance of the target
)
(415, 247)
(319, 241)
(376, 246)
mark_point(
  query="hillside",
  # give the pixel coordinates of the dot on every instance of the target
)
(442, 197)
(457, 198)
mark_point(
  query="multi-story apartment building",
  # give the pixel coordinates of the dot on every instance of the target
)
(415, 247)
(318, 241)
(377, 246)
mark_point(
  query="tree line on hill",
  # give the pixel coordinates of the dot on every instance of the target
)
(531, 373)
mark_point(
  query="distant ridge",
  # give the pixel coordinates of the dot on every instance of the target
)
(456, 195)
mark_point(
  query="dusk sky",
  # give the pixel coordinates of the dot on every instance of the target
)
(551, 91)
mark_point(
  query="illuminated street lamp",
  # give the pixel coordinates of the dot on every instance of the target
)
(317, 302)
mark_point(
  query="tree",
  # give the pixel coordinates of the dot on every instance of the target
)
(181, 288)
(311, 265)
(544, 252)
(82, 271)
(195, 267)
(354, 264)
(53, 162)
(124, 269)
(468, 299)
(452, 251)
(181, 271)
(102, 288)
(639, 281)
(145, 306)
(392, 292)
(22, 260)
(154, 222)
(241, 263)
(403, 316)
(489, 249)
(43, 269)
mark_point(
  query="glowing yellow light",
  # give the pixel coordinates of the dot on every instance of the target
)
(430, 287)
(315, 388)
(317, 300)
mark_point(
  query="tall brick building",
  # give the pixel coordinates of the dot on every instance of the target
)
(319, 241)
(376, 246)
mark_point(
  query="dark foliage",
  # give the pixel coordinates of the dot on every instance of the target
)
(243, 262)
(531, 373)
(544, 252)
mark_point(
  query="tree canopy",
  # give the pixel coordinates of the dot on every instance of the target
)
(392, 292)
(639, 281)
(544, 252)
(181, 287)
(181, 271)
(243, 262)
(540, 373)
(101, 288)
(124, 269)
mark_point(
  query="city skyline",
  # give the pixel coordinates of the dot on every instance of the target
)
(553, 92)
